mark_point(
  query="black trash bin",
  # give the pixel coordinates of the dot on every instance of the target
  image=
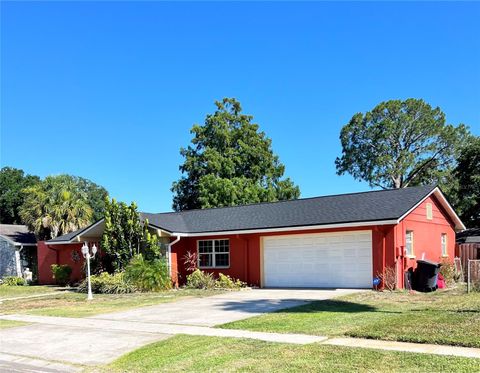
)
(426, 275)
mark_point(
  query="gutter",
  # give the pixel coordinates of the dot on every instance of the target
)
(178, 238)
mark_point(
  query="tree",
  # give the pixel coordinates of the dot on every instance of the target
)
(96, 195)
(123, 233)
(230, 162)
(466, 198)
(400, 144)
(12, 182)
(56, 206)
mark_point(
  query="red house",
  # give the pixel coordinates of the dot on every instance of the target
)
(339, 241)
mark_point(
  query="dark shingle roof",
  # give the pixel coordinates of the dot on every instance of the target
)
(471, 235)
(18, 234)
(336, 209)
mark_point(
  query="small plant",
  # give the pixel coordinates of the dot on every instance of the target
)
(148, 275)
(61, 274)
(388, 278)
(226, 282)
(200, 280)
(13, 281)
(105, 283)
(190, 261)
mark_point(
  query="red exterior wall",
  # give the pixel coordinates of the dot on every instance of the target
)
(59, 254)
(426, 235)
(245, 252)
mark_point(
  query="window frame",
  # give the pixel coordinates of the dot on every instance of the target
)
(412, 253)
(444, 244)
(214, 253)
(429, 208)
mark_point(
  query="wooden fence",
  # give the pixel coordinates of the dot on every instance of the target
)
(466, 251)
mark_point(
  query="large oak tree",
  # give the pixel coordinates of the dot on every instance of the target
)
(230, 162)
(400, 144)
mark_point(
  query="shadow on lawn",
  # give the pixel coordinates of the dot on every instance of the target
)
(298, 306)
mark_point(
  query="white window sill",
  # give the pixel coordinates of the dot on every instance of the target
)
(411, 256)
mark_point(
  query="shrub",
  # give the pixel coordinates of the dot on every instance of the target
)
(13, 281)
(200, 280)
(226, 282)
(61, 274)
(389, 278)
(105, 283)
(148, 275)
(449, 273)
(190, 260)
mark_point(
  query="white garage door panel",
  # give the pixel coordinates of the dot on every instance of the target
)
(320, 260)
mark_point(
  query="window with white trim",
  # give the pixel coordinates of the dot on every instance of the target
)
(429, 211)
(444, 244)
(409, 243)
(214, 253)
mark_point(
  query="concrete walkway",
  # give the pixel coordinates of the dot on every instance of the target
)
(171, 329)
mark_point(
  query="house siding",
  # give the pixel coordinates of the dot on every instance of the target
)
(246, 253)
(8, 264)
(426, 235)
(58, 254)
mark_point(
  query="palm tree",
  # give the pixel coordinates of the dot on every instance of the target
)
(56, 206)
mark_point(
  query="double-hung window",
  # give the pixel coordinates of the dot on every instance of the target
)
(444, 244)
(214, 253)
(409, 243)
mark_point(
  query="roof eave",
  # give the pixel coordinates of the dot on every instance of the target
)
(459, 226)
(290, 229)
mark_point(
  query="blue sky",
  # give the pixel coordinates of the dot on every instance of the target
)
(109, 91)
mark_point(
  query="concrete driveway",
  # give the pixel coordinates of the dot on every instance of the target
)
(103, 338)
(224, 308)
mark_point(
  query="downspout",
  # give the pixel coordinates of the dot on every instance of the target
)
(18, 264)
(170, 254)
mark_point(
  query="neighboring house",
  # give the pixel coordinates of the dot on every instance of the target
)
(17, 250)
(471, 235)
(333, 241)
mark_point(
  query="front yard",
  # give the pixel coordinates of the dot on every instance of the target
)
(8, 292)
(444, 317)
(206, 354)
(72, 304)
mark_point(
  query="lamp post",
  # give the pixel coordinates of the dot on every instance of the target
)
(87, 255)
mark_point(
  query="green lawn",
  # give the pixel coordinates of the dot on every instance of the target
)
(447, 317)
(71, 304)
(211, 354)
(10, 324)
(23, 291)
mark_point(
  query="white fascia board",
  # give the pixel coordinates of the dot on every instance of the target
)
(445, 204)
(9, 240)
(289, 229)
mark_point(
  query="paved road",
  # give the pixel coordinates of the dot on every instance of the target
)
(101, 345)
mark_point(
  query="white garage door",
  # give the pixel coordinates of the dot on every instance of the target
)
(341, 260)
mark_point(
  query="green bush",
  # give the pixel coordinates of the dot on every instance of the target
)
(226, 282)
(200, 280)
(148, 275)
(61, 274)
(105, 283)
(13, 281)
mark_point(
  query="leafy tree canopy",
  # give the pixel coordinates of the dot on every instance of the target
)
(400, 144)
(230, 162)
(466, 197)
(56, 206)
(12, 183)
(124, 236)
